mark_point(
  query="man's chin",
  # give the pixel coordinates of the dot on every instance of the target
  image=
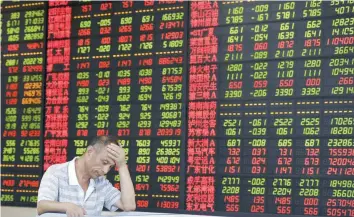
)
(95, 176)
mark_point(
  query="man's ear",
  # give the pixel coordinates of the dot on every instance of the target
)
(90, 150)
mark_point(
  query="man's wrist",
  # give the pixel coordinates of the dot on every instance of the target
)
(121, 164)
(65, 206)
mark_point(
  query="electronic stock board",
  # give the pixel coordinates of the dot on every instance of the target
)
(223, 107)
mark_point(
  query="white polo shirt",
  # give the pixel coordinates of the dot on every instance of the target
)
(59, 183)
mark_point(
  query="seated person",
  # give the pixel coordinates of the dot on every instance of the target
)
(78, 187)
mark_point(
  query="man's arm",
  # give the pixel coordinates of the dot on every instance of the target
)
(48, 193)
(127, 199)
(48, 197)
(44, 206)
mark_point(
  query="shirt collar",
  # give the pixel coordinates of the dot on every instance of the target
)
(72, 174)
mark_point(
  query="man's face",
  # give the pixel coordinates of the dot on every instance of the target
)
(99, 163)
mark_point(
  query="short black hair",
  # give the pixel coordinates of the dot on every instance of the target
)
(99, 142)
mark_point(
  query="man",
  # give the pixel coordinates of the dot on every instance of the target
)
(79, 187)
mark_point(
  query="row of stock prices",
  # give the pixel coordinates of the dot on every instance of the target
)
(222, 107)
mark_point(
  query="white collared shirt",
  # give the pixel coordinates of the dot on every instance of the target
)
(59, 183)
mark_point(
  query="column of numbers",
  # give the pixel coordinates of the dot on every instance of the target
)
(102, 46)
(255, 158)
(337, 157)
(170, 59)
(260, 82)
(257, 190)
(308, 149)
(33, 61)
(339, 42)
(256, 152)
(312, 68)
(284, 130)
(10, 86)
(285, 76)
(282, 192)
(308, 196)
(81, 54)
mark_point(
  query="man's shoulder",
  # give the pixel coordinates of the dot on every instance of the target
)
(58, 169)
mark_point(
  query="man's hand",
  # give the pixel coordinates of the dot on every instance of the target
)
(72, 210)
(117, 154)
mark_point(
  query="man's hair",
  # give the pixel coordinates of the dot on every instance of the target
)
(100, 142)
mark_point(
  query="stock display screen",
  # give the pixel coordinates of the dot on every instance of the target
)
(222, 107)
